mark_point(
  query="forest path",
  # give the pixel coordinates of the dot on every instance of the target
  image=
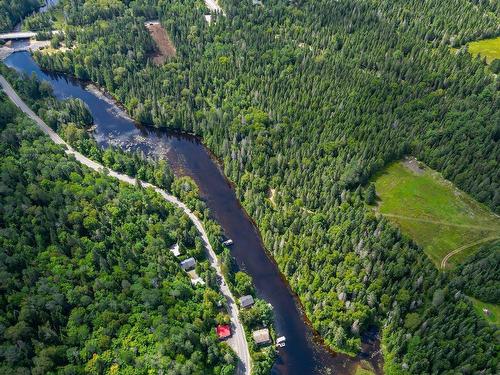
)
(430, 221)
(238, 340)
(461, 248)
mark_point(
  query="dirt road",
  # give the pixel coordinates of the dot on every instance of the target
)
(456, 251)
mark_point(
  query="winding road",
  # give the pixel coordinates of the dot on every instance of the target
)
(456, 251)
(238, 340)
(445, 260)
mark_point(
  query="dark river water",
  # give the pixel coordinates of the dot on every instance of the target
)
(303, 353)
(44, 8)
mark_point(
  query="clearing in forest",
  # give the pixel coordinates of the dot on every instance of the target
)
(489, 48)
(166, 48)
(446, 222)
(488, 311)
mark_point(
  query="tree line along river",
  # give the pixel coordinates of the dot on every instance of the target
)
(303, 354)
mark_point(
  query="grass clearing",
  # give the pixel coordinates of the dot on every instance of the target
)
(494, 311)
(489, 48)
(434, 213)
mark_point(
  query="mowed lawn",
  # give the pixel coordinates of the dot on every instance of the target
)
(434, 213)
(489, 48)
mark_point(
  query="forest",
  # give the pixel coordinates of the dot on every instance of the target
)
(87, 283)
(72, 119)
(311, 98)
(12, 11)
(479, 276)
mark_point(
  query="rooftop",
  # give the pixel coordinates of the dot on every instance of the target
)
(175, 250)
(246, 301)
(261, 336)
(223, 331)
(188, 264)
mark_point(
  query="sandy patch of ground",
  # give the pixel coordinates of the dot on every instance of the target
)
(166, 48)
(50, 51)
(413, 165)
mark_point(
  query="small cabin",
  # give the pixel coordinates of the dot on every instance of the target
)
(223, 331)
(175, 250)
(246, 301)
(188, 264)
(486, 312)
(261, 336)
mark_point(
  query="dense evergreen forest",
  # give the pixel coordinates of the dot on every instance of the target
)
(479, 276)
(310, 98)
(88, 284)
(12, 11)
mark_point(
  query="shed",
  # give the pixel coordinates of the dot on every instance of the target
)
(246, 301)
(195, 279)
(223, 331)
(175, 250)
(261, 336)
(188, 264)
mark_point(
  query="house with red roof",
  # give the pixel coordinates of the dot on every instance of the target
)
(223, 331)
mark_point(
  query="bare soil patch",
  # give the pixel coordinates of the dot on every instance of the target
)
(166, 48)
(413, 165)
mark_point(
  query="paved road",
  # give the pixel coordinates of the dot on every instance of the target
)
(238, 341)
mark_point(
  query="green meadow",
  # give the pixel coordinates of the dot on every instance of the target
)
(489, 48)
(494, 311)
(434, 213)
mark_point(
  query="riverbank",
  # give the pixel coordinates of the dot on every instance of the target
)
(238, 341)
(31, 46)
(304, 352)
(371, 344)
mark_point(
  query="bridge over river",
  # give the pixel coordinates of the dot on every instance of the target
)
(22, 35)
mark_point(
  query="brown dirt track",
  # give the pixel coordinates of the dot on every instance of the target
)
(166, 48)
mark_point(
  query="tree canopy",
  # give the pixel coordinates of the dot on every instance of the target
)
(311, 98)
(88, 284)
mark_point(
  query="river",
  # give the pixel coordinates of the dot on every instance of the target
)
(303, 354)
(44, 8)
